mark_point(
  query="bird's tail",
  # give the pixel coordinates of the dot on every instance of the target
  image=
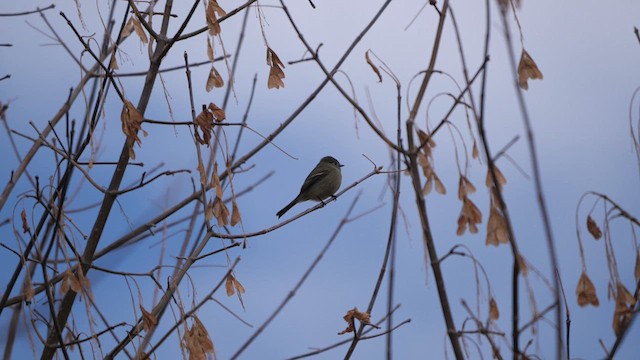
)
(287, 208)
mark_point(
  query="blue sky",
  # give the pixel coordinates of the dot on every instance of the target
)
(580, 113)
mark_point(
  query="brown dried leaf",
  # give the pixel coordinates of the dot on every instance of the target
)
(66, 281)
(586, 291)
(220, 212)
(235, 213)
(202, 127)
(440, 189)
(499, 176)
(214, 80)
(203, 174)
(373, 66)
(140, 31)
(522, 264)
(527, 69)
(74, 283)
(276, 74)
(113, 63)
(25, 223)
(131, 123)
(84, 283)
(209, 50)
(625, 302)
(218, 114)
(497, 232)
(494, 313)
(593, 228)
(212, 20)
(215, 181)
(127, 29)
(228, 285)
(465, 187)
(208, 211)
(29, 292)
(470, 216)
(474, 151)
(198, 342)
(363, 317)
(149, 321)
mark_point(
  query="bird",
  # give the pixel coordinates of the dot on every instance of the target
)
(323, 181)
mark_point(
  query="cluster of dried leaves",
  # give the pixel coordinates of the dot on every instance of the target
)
(204, 122)
(497, 230)
(197, 341)
(217, 208)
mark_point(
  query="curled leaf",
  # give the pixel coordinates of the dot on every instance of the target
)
(593, 228)
(373, 66)
(351, 316)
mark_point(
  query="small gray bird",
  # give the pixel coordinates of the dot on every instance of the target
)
(323, 181)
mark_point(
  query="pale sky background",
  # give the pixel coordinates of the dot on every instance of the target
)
(580, 113)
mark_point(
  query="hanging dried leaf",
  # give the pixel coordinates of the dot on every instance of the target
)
(212, 21)
(527, 69)
(25, 223)
(373, 66)
(470, 216)
(208, 211)
(593, 228)
(474, 151)
(235, 213)
(198, 342)
(522, 264)
(494, 313)
(440, 189)
(499, 176)
(351, 316)
(625, 302)
(113, 63)
(276, 74)
(66, 282)
(127, 29)
(497, 232)
(586, 291)
(85, 284)
(29, 292)
(209, 50)
(214, 80)
(149, 321)
(220, 212)
(131, 123)
(203, 126)
(465, 187)
(218, 114)
(215, 181)
(228, 285)
(140, 31)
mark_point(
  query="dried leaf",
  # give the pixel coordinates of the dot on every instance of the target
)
(625, 302)
(29, 292)
(497, 232)
(218, 114)
(220, 212)
(127, 29)
(465, 187)
(586, 291)
(440, 189)
(113, 63)
(228, 285)
(235, 213)
(470, 216)
(203, 174)
(198, 342)
(276, 74)
(522, 264)
(215, 181)
(25, 223)
(363, 317)
(212, 21)
(373, 66)
(208, 211)
(66, 281)
(499, 176)
(209, 50)
(140, 31)
(494, 313)
(202, 127)
(149, 321)
(131, 123)
(474, 151)
(214, 80)
(527, 69)
(593, 228)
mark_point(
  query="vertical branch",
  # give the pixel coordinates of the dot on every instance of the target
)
(537, 178)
